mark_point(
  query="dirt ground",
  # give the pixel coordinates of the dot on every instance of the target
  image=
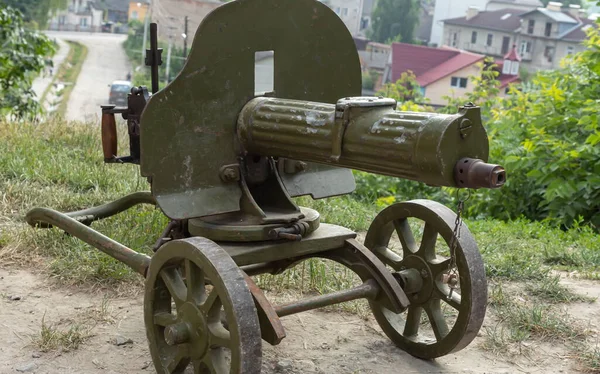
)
(316, 342)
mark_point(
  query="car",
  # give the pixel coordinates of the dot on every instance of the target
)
(107, 27)
(118, 92)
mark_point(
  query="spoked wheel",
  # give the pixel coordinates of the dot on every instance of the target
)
(448, 298)
(199, 314)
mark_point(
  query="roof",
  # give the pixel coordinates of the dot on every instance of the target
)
(372, 60)
(379, 45)
(118, 5)
(578, 33)
(504, 20)
(555, 15)
(513, 55)
(429, 64)
(506, 79)
(533, 3)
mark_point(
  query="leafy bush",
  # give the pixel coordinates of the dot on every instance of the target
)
(546, 134)
(22, 58)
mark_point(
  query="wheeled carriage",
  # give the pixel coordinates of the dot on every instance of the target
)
(225, 161)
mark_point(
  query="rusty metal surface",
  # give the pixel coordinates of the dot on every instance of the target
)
(365, 135)
(212, 329)
(473, 173)
(367, 290)
(469, 299)
(137, 261)
(89, 215)
(271, 329)
(325, 238)
(189, 126)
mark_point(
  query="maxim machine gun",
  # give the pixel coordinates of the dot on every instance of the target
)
(224, 163)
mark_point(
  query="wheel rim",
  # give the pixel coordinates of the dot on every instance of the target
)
(198, 311)
(421, 270)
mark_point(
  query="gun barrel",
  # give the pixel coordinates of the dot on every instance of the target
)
(368, 134)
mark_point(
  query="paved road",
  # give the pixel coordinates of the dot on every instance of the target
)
(106, 62)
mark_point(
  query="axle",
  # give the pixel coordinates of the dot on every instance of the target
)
(369, 134)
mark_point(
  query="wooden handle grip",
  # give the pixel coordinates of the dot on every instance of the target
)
(109, 136)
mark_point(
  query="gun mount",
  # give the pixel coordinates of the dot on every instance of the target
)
(225, 162)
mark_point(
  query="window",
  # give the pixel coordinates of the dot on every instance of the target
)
(474, 37)
(523, 47)
(570, 50)
(134, 14)
(530, 26)
(505, 44)
(548, 30)
(458, 82)
(490, 40)
(83, 22)
(514, 69)
(549, 53)
(61, 20)
(455, 39)
(344, 11)
(337, 10)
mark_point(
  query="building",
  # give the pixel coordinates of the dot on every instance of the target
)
(524, 5)
(356, 14)
(80, 15)
(445, 71)
(446, 9)
(115, 11)
(170, 16)
(543, 36)
(138, 10)
(373, 60)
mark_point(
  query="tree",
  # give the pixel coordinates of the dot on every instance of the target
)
(36, 11)
(22, 57)
(395, 20)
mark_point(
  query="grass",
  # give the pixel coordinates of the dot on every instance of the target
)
(52, 337)
(63, 169)
(69, 71)
(551, 290)
(589, 359)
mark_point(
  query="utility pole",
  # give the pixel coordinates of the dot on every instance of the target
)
(146, 21)
(185, 36)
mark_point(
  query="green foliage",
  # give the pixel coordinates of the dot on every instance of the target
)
(404, 89)
(36, 12)
(546, 134)
(367, 81)
(395, 20)
(485, 89)
(548, 138)
(22, 57)
(133, 49)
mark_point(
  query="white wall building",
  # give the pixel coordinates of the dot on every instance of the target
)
(446, 9)
(80, 15)
(350, 11)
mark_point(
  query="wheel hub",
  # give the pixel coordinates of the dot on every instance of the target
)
(418, 279)
(191, 327)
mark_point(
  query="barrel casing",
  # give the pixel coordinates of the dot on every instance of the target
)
(365, 134)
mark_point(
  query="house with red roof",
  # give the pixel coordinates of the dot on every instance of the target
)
(544, 36)
(445, 71)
